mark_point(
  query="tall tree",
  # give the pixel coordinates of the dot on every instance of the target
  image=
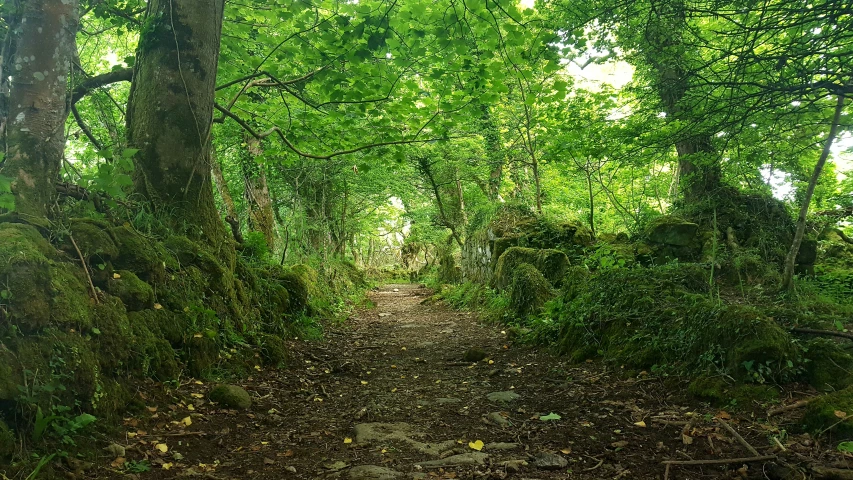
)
(37, 54)
(170, 112)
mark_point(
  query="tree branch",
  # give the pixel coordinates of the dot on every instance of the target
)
(80, 91)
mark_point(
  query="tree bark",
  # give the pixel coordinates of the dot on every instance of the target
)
(170, 112)
(222, 188)
(36, 65)
(257, 193)
(791, 258)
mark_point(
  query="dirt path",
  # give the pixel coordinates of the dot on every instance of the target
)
(388, 396)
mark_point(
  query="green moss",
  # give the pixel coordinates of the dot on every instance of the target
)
(154, 356)
(828, 365)
(136, 294)
(23, 243)
(114, 339)
(719, 392)
(201, 353)
(672, 230)
(501, 245)
(448, 271)
(551, 263)
(231, 396)
(272, 349)
(528, 291)
(8, 441)
(191, 253)
(825, 414)
(145, 258)
(93, 239)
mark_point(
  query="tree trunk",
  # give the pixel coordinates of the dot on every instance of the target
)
(257, 193)
(222, 187)
(170, 112)
(791, 258)
(36, 59)
(698, 162)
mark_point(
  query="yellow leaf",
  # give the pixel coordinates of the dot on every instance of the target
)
(258, 368)
(476, 445)
(840, 414)
(491, 362)
(115, 275)
(191, 407)
(641, 424)
(196, 395)
(187, 421)
(131, 434)
(566, 451)
(157, 306)
(403, 349)
(168, 465)
(347, 440)
(162, 447)
(364, 382)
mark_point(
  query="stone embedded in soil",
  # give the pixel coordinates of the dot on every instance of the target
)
(367, 433)
(472, 458)
(550, 461)
(447, 401)
(503, 397)
(372, 472)
(496, 418)
(474, 355)
(231, 396)
(501, 446)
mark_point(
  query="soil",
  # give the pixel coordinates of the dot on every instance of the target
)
(387, 395)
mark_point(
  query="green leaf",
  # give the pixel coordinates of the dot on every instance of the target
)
(846, 447)
(96, 331)
(129, 152)
(550, 417)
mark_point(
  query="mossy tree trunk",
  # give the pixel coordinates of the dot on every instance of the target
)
(170, 111)
(665, 52)
(36, 57)
(257, 192)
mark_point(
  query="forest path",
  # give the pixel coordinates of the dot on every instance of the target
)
(387, 395)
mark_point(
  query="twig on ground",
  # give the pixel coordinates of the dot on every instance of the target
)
(828, 333)
(786, 408)
(721, 461)
(740, 439)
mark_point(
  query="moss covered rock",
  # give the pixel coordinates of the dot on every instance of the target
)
(93, 239)
(8, 442)
(528, 291)
(826, 413)
(136, 294)
(671, 230)
(231, 396)
(145, 258)
(272, 349)
(719, 392)
(201, 353)
(828, 365)
(551, 263)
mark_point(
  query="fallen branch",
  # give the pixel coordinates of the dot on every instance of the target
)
(828, 333)
(787, 408)
(722, 461)
(740, 439)
(85, 268)
(833, 473)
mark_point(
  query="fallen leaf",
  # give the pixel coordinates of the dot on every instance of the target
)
(476, 445)
(686, 439)
(724, 415)
(364, 382)
(187, 421)
(550, 417)
(619, 444)
(118, 462)
(268, 461)
(566, 451)
(197, 395)
(116, 276)
(840, 414)
(191, 407)
(641, 424)
(168, 465)
(347, 440)
(162, 447)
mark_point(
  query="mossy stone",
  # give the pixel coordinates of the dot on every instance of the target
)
(8, 442)
(272, 349)
(136, 294)
(113, 342)
(671, 230)
(474, 354)
(719, 392)
(156, 358)
(201, 353)
(93, 239)
(231, 396)
(298, 289)
(551, 263)
(829, 365)
(23, 243)
(501, 245)
(823, 413)
(145, 258)
(528, 291)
